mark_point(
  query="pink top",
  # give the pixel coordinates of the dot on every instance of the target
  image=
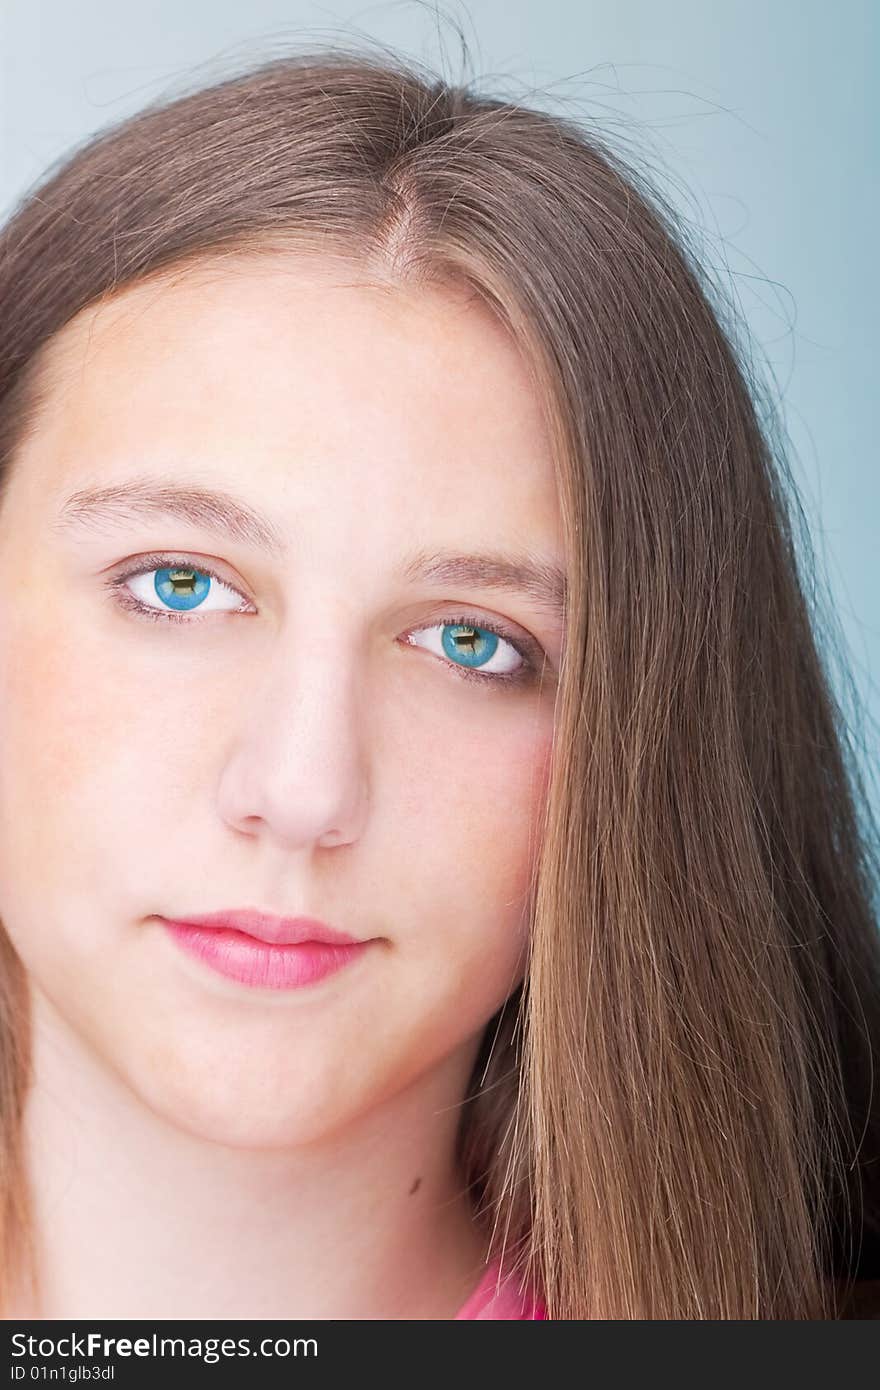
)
(505, 1300)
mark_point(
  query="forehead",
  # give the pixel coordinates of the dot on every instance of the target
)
(308, 367)
(223, 320)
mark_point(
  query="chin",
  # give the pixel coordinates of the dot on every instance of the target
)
(268, 1116)
(240, 1124)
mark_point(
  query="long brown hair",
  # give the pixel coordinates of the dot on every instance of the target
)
(675, 1115)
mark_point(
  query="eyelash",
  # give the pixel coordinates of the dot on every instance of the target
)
(527, 674)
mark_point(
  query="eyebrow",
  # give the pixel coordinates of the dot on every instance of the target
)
(122, 504)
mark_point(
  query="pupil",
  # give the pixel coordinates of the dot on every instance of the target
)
(184, 578)
(466, 638)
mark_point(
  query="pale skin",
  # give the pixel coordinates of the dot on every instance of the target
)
(200, 1148)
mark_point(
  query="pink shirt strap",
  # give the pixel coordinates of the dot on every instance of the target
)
(494, 1297)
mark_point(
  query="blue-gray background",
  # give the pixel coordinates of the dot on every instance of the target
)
(758, 115)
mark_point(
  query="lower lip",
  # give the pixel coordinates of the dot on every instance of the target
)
(251, 962)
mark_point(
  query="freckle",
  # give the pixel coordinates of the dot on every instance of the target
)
(415, 1186)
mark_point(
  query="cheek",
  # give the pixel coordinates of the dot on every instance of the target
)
(465, 834)
(499, 808)
(473, 822)
(71, 753)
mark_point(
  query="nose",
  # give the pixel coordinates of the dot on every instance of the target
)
(297, 765)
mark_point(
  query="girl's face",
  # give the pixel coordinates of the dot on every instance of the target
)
(275, 742)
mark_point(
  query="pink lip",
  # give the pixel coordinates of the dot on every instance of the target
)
(264, 926)
(258, 949)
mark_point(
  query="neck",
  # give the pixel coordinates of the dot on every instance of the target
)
(136, 1218)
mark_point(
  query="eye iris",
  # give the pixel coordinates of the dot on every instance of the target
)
(181, 588)
(473, 645)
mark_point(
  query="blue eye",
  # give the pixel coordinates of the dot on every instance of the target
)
(473, 645)
(472, 648)
(181, 588)
(161, 588)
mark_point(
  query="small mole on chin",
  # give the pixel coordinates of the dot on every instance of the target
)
(415, 1186)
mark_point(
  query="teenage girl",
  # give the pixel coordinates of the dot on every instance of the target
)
(434, 879)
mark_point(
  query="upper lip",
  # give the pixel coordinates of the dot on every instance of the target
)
(265, 926)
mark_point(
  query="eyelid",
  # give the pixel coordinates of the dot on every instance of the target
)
(170, 559)
(159, 559)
